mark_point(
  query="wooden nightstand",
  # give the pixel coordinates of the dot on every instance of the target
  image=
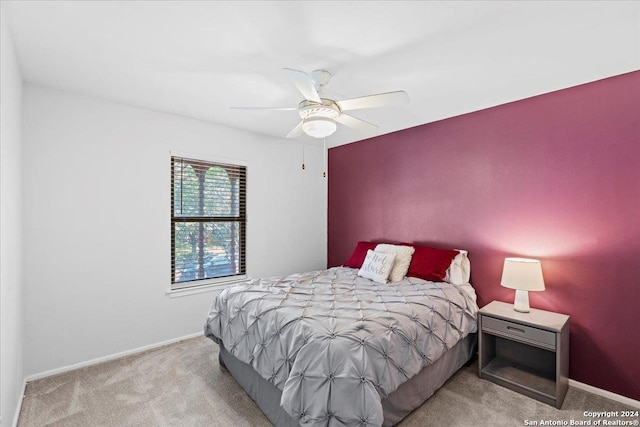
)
(526, 352)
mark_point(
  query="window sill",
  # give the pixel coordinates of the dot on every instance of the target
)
(212, 286)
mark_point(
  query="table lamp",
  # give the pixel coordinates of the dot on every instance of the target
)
(523, 275)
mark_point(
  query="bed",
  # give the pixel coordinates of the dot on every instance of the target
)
(330, 347)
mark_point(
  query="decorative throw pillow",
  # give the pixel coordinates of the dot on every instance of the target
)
(377, 266)
(403, 259)
(459, 272)
(359, 254)
(431, 263)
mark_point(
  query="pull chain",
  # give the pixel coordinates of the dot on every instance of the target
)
(303, 156)
(324, 174)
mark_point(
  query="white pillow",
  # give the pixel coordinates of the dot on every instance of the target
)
(403, 259)
(377, 266)
(459, 272)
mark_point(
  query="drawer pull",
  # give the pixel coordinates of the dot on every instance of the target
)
(511, 328)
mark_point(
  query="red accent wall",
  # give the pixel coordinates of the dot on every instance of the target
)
(554, 177)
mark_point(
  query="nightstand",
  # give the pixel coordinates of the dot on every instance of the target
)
(526, 352)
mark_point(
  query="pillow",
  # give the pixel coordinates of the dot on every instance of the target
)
(431, 263)
(377, 266)
(403, 259)
(459, 272)
(359, 253)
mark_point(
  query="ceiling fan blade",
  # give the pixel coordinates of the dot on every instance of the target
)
(304, 84)
(355, 123)
(295, 131)
(388, 99)
(266, 108)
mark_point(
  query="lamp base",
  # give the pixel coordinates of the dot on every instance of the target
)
(521, 302)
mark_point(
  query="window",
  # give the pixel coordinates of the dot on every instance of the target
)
(208, 221)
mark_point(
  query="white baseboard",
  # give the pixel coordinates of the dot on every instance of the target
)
(109, 357)
(16, 416)
(604, 393)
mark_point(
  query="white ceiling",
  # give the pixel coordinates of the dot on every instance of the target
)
(197, 59)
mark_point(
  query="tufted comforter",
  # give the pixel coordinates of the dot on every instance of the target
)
(336, 343)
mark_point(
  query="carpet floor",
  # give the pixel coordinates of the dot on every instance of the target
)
(183, 385)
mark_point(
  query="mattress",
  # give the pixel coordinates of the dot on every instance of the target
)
(337, 345)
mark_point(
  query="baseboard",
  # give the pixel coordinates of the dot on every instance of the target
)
(604, 393)
(109, 357)
(16, 416)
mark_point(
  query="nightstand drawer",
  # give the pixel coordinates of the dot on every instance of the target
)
(519, 332)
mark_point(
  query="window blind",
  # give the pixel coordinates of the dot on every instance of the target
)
(208, 220)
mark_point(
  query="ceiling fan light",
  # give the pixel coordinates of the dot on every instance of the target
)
(318, 127)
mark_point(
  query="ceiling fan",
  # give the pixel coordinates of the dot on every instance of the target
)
(319, 115)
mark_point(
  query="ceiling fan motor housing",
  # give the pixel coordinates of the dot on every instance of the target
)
(318, 120)
(328, 109)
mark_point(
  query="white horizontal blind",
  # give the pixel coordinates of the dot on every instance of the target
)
(208, 220)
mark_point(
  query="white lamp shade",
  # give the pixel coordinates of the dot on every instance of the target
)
(522, 274)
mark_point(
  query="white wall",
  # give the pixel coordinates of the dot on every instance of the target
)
(11, 279)
(97, 226)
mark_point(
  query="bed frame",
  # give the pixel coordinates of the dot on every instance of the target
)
(395, 406)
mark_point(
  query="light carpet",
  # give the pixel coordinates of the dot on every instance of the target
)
(182, 384)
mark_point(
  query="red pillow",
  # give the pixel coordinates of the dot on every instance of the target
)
(430, 263)
(359, 254)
